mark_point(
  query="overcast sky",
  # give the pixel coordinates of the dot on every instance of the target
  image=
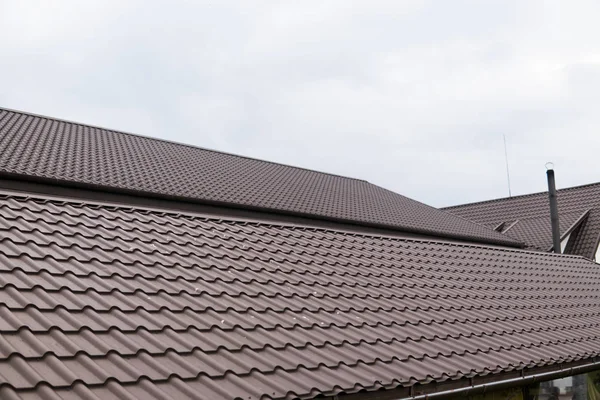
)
(412, 95)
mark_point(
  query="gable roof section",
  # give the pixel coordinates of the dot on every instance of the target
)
(537, 231)
(73, 154)
(571, 201)
(101, 301)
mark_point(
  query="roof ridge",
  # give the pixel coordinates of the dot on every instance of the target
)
(575, 224)
(518, 197)
(510, 226)
(173, 142)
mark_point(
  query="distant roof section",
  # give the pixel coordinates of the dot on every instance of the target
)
(572, 204)
(43, 148)
(536, 232)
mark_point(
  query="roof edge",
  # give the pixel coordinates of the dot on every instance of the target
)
(510, 226)
(573, 227)
(174, 210)
(472, 385)
(513, 240)
(575, 224)
(171, 142)
(57, 183)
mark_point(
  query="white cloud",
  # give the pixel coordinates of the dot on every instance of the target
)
(412, 95)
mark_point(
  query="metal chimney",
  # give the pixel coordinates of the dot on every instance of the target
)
(553, 208)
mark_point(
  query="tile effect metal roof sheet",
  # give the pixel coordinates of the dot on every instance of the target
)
(570, 201)
(537, 231)
(106, 302)
(80, 154)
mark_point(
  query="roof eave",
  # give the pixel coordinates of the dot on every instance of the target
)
(509, 242)
(472, 385)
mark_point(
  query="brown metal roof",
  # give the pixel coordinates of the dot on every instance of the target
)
(105, 301)
(537, 231)
(571, 203)
(36, 147)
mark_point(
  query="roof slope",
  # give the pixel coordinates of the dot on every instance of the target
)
(537, 231)
(72, 153)
(570, 201)
(104, 302)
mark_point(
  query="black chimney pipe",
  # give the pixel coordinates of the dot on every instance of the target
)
(553, 210)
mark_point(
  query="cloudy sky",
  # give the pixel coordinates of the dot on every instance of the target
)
(412, 95)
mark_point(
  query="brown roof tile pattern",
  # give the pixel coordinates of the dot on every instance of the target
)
(70, 152)
(105, 302)
(537, 231)
(570, 201)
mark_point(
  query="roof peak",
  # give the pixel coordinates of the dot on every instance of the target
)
(121, 132)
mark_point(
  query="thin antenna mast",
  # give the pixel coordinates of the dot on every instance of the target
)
(506, 159)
